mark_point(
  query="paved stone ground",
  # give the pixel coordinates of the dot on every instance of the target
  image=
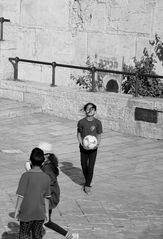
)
(126, 201)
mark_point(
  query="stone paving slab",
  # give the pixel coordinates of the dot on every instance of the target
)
(126, 201)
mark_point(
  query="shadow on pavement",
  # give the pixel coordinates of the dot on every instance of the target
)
(13, 231)
(74, 173)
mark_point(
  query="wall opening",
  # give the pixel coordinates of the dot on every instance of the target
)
(112, 86)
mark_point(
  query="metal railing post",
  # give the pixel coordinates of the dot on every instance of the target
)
(1, 38)
(136, 84)
(93, 70)
(16, 68)
(2, 20)
(53, 73)
(14, 62)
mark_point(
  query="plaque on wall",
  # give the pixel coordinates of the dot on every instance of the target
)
(146, 115)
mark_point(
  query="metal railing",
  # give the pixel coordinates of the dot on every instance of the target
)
(2, 20)
(93, 70)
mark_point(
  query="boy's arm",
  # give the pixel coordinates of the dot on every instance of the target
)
(46, 209)
(99, 131)
(79, 138)
(98, 139)
(79, 130)
(81, 141)
(18, 205)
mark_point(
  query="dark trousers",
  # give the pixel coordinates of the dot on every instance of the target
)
(54, 226)
(88, 159)
(34, 227)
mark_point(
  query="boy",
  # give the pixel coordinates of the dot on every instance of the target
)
(89, 125)
(50, 167)
(32, 207)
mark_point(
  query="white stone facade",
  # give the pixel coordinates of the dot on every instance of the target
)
(67, 31)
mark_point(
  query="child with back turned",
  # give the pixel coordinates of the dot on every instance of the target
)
(50, 167)
(32, 207)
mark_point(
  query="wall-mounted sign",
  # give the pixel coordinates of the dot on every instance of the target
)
(146, 115)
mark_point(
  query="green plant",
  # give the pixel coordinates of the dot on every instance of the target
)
(158, 47)
(146, 86)
(85, 80)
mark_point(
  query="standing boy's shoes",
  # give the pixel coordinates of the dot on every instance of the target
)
(87, 189)
(75, 235)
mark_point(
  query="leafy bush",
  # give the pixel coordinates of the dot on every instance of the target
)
(158, 47)
(85, 80)
(146, 86)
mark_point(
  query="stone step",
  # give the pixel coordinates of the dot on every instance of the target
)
(12, 109)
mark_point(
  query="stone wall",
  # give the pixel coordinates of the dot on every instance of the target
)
(67, 31)
(116, 111)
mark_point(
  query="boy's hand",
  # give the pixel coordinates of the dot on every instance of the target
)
(46, 217)
(16, 215)
(96, 146)
(82, 144)
(86, 148)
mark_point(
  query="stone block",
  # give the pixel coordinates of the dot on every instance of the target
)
(10, 94)
(34, 14)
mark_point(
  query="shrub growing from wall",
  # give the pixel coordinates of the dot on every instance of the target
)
(146, 86)
(84, 81)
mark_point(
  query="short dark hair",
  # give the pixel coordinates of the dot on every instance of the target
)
(93, 106)
(37, 157)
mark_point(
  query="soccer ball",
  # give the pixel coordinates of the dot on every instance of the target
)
(46, 147)
(27, 165)
(90, 141)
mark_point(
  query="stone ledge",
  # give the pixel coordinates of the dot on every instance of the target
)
(116, 111)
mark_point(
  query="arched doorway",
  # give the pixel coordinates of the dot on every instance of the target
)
(112, 86)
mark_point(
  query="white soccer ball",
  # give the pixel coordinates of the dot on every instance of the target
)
(27, 165)
(46, 147)
(90, 141)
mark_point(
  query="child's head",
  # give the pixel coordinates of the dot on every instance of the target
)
(37, 157)
(90, 106)
(90, 109)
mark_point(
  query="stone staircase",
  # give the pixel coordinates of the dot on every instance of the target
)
(12, 109)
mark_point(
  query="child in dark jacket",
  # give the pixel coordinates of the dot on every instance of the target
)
(50, 167)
